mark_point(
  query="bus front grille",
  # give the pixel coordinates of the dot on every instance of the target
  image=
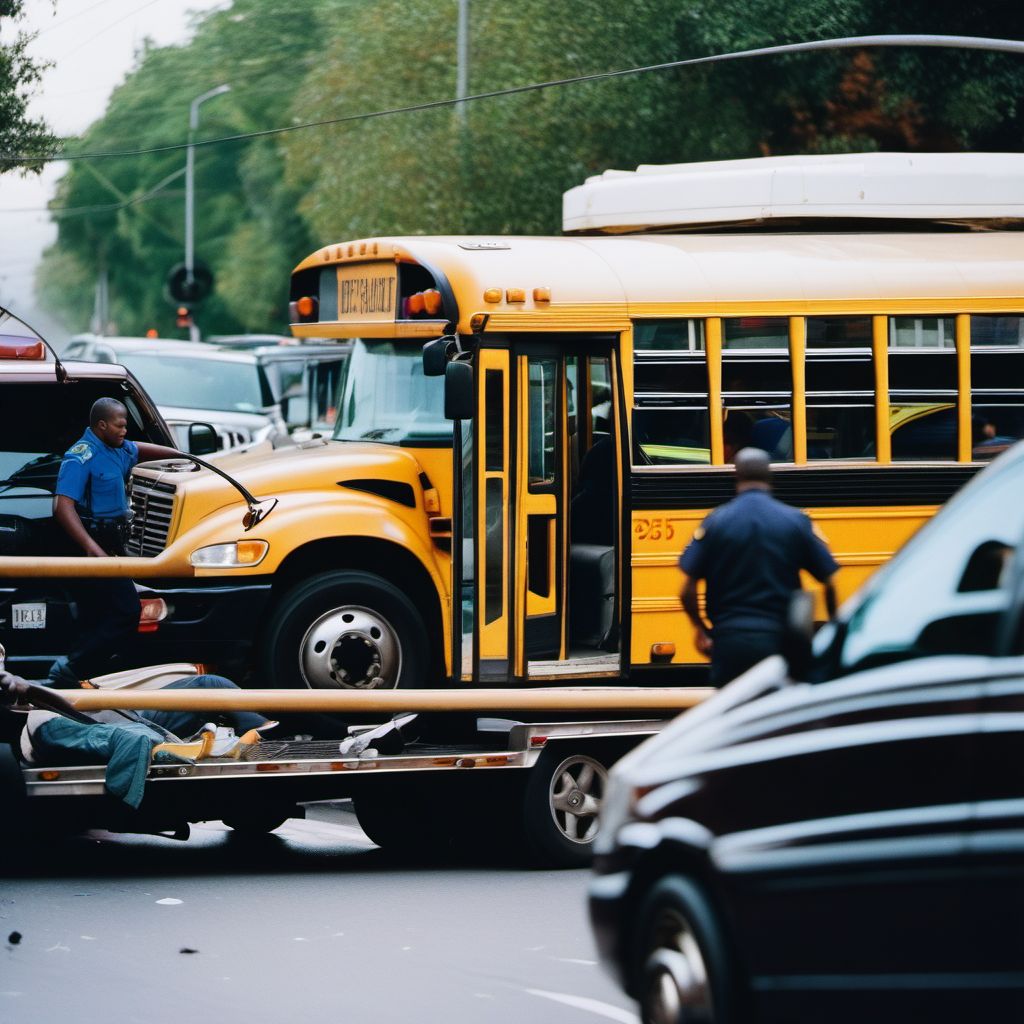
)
(153, 505)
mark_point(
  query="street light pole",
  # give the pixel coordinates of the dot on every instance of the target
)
(462, 60)
(190, 167)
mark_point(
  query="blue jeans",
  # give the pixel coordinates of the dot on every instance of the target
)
(184, 723)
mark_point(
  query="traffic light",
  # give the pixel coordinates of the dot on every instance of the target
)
(184, 315)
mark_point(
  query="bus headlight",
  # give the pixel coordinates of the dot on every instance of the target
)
(240, 554)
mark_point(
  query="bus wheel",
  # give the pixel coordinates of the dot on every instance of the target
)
(560, 808)
(346, 630)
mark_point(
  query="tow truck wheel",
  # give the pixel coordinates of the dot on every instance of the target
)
(258, 822)
(560, 808)
(13, 802)
(346, 630)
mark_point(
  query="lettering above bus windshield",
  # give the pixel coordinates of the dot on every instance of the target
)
(367, 292)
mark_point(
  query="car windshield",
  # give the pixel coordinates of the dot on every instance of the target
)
(385, 397)
(218, 384)
(923, 601)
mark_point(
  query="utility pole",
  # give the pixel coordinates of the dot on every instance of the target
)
(190, 168)
(462, 61)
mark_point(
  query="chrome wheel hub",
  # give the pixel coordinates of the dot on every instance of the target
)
(351, 648)
(577, 787)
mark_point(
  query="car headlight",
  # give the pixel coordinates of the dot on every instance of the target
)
(239, 554)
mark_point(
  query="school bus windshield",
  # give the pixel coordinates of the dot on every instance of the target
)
(385, 397)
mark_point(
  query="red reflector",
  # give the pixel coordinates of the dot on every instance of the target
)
(538, 741)
(153, 611)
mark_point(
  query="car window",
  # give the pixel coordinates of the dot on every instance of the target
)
(942, 594)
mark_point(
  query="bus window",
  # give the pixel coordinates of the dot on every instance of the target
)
(748, 332)
(922, 332)
(668, 336)
(839, 332)
(543, 407)
(767, 427)
(923, 431)
(994, 428)
(997, 331)
(664, 437)
(840, 432)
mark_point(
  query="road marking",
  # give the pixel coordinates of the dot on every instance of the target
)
(590, 1005)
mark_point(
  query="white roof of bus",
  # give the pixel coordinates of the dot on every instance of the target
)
(726, 268)
(914, 186)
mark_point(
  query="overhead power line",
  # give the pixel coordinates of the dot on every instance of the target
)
(844, 43)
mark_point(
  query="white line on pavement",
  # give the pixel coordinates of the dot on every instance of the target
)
(590, 1005)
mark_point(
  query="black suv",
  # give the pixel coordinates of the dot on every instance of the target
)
(842, 838)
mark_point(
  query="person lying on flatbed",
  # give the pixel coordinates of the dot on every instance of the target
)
(127, 742)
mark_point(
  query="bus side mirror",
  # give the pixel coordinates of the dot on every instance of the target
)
(202, 439)
(797, 636)
(458, 391)
(435, 357)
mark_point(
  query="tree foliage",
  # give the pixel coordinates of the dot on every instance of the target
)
(19, 75)
(502, 164)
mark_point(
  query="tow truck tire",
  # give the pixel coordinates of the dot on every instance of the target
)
(13, 803)
(346, 630)
(258, 822)
(413, 826)
(560, 806)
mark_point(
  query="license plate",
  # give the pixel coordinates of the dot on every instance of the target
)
(29, 616)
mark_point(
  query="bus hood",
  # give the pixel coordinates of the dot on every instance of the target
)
(313, 466)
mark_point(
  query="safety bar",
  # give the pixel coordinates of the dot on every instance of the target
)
(595, 698)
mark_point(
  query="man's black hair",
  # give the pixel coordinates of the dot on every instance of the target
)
(105, 409)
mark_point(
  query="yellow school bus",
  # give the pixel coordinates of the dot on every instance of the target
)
(529, 430)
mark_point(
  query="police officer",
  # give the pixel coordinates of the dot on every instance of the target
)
(750, 552)
(91, 505)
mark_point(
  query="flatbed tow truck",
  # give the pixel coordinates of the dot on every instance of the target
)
(523, 773)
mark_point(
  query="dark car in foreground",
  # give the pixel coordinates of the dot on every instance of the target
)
(840, 836)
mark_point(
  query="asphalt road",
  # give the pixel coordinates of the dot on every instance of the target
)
(311, 923)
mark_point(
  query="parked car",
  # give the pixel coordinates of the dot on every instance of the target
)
(841, 836)
(44, 409)
(248, 396)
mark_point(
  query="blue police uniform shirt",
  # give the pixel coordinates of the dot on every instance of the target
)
(750, 552)
(93, 475)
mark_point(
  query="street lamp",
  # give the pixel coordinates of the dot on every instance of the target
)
(190, 167)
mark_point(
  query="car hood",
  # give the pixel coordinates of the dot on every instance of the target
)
(183, 414)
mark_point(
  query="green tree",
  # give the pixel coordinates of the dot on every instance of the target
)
(19, 75)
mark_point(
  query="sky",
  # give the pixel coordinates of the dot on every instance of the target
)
(92, 44)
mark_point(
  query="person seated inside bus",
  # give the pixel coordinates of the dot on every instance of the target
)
(737, 433)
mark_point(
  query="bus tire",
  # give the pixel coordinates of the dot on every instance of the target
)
(346, 630)
(560, 805)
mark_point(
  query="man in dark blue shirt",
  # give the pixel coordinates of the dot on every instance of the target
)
(91, 505)
(750, 552)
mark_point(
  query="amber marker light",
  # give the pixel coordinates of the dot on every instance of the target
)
(541, 294)
(492, 295)
(305, 306)
(665, 649)
(515, 294)
(416, 304)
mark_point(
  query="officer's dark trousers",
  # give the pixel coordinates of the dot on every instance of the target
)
(733, 651)
(108, 621)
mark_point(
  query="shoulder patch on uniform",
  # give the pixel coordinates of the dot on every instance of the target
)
(80, 451)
